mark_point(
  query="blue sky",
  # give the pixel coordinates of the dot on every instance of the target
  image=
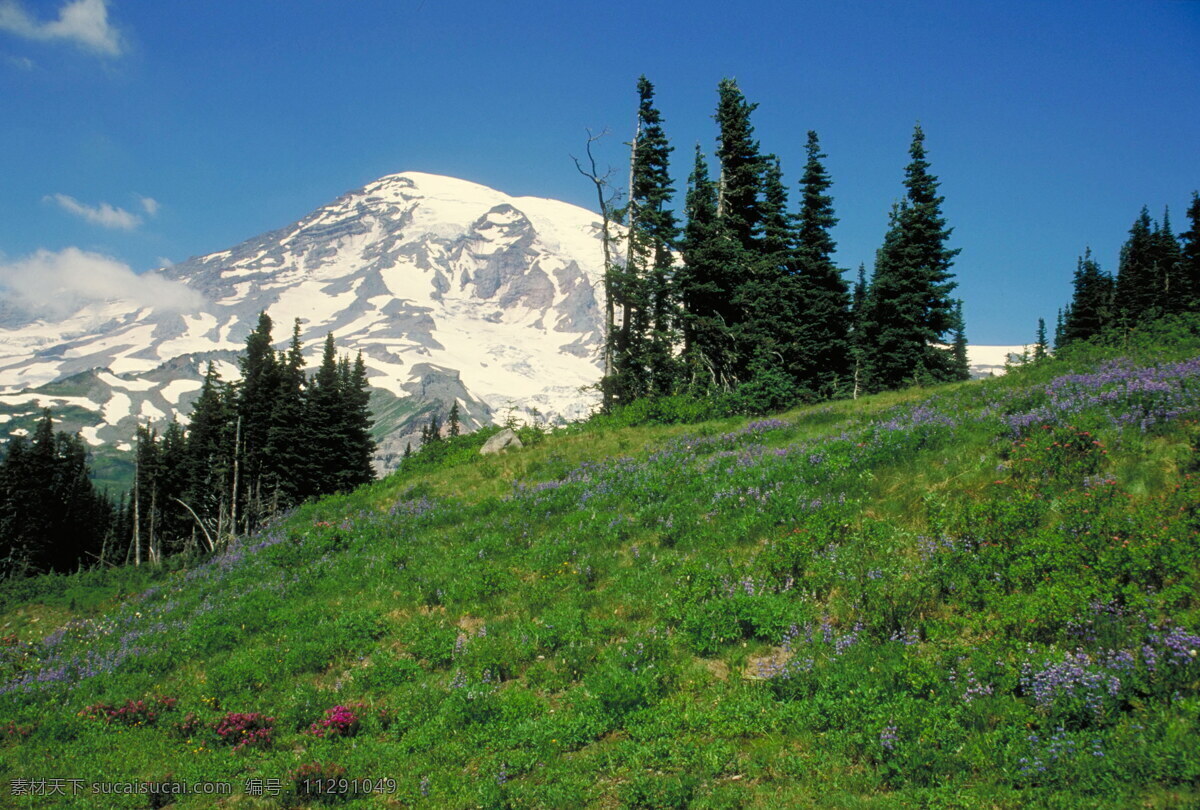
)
(157, 131)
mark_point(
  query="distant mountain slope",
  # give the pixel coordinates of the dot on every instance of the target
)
(450, 289)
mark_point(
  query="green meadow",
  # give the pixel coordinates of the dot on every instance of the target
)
(982, 594)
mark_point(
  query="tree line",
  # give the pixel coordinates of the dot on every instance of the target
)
(744, 297)
(252, 449)
(1158, 274)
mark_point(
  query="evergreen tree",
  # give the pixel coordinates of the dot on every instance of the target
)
(290, 466)
(1059, 329)
(255, 406)
(1138, 288)
(858, 304)
(51, 518)
(1091, 310)
(1167, 268)
(1041, 348)
(1188, 267)
(657, 232)
(825, 346)
(175, 524)
(910, 309)
(452, 423)
(359, 451)
(707, 284)
(961, 366)
(209, 458)
(642, 345)
(325, 413)
(770, 302)
(739, 202)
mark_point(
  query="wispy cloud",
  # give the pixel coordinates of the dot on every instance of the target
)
(104, 215)
(56, 284)
(149, 205)
(82, 22)
(20, 62)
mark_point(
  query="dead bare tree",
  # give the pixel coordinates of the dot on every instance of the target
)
(606, 195)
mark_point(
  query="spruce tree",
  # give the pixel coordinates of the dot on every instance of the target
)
(1091, 310)
(1041, 348)
(740, 188)
(290, 467)
(209, 459)
(325, 413)
(256, 403)
(1167, 268)
(651, 192)
(771, 307)
(452, 421)
(1188, 268)
(643, 350)
(357, 467)
(960, 368)
(910, 310)
(1137, 287)
(825, 347)
(707, 283)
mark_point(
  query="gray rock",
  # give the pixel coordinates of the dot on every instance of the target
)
(504, 440)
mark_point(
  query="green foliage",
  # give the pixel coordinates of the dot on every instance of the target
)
(979, 596)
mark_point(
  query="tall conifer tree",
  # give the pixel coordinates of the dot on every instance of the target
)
(1091, 310)
(1188, 270)
(826, 296)
(910, 310)
(707, 285)
(1138, 288)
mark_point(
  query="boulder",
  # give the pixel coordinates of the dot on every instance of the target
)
(503, 440)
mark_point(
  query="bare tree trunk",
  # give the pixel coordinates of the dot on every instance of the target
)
(154, 550)
(601, 183)
(211, 545)
(137, 516)
(233, 493)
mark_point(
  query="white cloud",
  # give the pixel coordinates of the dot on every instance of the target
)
(21, 62)
(51, 284)
(149, 205)
(83, 22)
(104, 215)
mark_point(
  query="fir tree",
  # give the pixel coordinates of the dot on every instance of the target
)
(910, 309)
(1137, 287)
(359, 450)
(209, 459)
(643, 347)
(825, 347)
(1167, 268)
(961, 367)
(452, 423)
(325, 413)
(771, 307)
(255, 405)
(739, 203)
(1091, 310)
(291, 468)
(1041, 348)
(1188, 267)
(707, 284)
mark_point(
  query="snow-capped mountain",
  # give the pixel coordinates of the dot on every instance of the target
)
(451, 290)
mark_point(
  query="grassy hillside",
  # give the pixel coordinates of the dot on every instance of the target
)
(978, 595)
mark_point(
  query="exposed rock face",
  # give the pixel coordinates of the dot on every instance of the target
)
(451, 290)
(504, 440)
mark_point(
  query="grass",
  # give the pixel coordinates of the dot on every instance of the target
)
(979, 595)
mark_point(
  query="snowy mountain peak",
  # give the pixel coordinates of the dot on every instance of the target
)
(431, 278)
